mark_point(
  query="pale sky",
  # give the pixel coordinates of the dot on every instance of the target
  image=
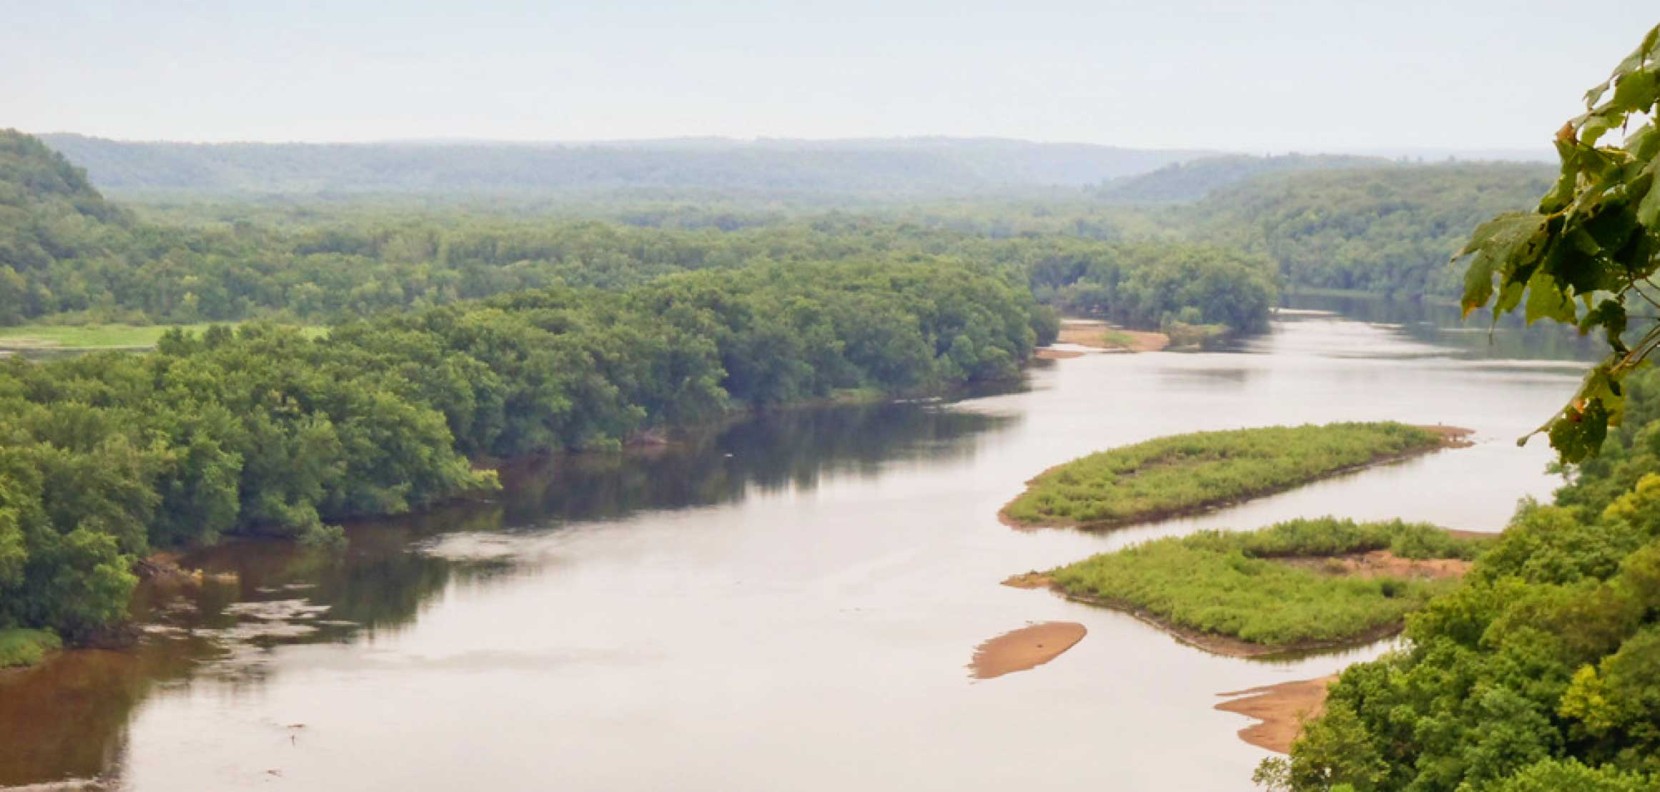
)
(1277, 75)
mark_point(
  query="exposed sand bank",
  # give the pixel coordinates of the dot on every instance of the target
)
(1051, 353)
(1023, 649)
(1279, 709)
(1382, 563)
(1100, 335)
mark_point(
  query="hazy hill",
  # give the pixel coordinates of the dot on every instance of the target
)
(1189, 181)
(1388, 230)
(869, 168)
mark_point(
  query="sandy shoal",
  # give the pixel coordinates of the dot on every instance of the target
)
(1279, 709)
(1023, 649)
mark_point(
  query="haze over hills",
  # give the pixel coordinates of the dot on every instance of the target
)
(1179, 182)
(900, 167)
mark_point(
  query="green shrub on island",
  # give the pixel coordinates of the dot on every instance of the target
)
(1188, 473)
(26, 647)
(1268, 587)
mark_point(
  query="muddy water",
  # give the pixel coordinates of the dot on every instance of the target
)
(787, 603)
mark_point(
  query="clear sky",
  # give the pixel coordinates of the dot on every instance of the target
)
(1264, 76)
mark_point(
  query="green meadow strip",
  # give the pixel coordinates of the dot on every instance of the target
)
(1191, 473)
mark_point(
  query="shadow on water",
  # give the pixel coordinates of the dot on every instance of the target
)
(67, 718)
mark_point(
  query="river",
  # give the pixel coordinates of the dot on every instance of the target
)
(785, 603)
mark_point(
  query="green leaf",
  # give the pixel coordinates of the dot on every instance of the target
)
(1545, 300)
(1648, 210)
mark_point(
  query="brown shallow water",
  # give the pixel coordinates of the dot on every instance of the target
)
(786, 603)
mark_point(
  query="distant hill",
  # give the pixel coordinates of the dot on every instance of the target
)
(1387, 230)
(48, 212)
(867, 168)
(1182, 182)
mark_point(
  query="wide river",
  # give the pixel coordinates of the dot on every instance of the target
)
(787, 603)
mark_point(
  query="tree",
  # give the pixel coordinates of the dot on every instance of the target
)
(1587, 255)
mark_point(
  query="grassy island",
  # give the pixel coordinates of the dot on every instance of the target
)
(1295, 586)
(1191, 473)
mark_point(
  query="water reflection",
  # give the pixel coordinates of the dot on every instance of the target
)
(1441, 330)
(793, 448)
(68, 718)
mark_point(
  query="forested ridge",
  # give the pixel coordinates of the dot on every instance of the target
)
(66, 263)
(876, 169)
(264, 429)
(1390, 231)
(1192, 180)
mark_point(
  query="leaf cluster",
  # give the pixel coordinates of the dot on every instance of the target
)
(1586, 256)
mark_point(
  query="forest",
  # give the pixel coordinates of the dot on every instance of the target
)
(265, 429)
(1538, 671)
(68, 255)
(471, 334)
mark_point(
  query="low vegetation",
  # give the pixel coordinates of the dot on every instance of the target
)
(1258, 587)
(1193, 472)
(19, 647)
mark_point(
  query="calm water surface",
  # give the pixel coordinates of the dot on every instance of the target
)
(784, 604)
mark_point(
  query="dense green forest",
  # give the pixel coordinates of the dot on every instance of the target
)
(69, 255)
(266, 429)
(1541, 665)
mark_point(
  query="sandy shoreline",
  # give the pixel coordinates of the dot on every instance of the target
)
(1024, 649)
(1096, 334)
(1279, 710)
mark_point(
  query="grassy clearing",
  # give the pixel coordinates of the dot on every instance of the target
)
(26, 647)
(1244, 586)
(1184, 336)
(97, 336)
(1118, 339)
(1189, 473)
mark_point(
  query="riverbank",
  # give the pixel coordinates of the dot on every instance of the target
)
(1183, 475)
(1097, 334)
(1088, 336)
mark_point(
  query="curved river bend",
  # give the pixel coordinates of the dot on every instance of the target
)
(784, 604)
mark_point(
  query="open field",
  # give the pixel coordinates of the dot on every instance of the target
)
(25, 338)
